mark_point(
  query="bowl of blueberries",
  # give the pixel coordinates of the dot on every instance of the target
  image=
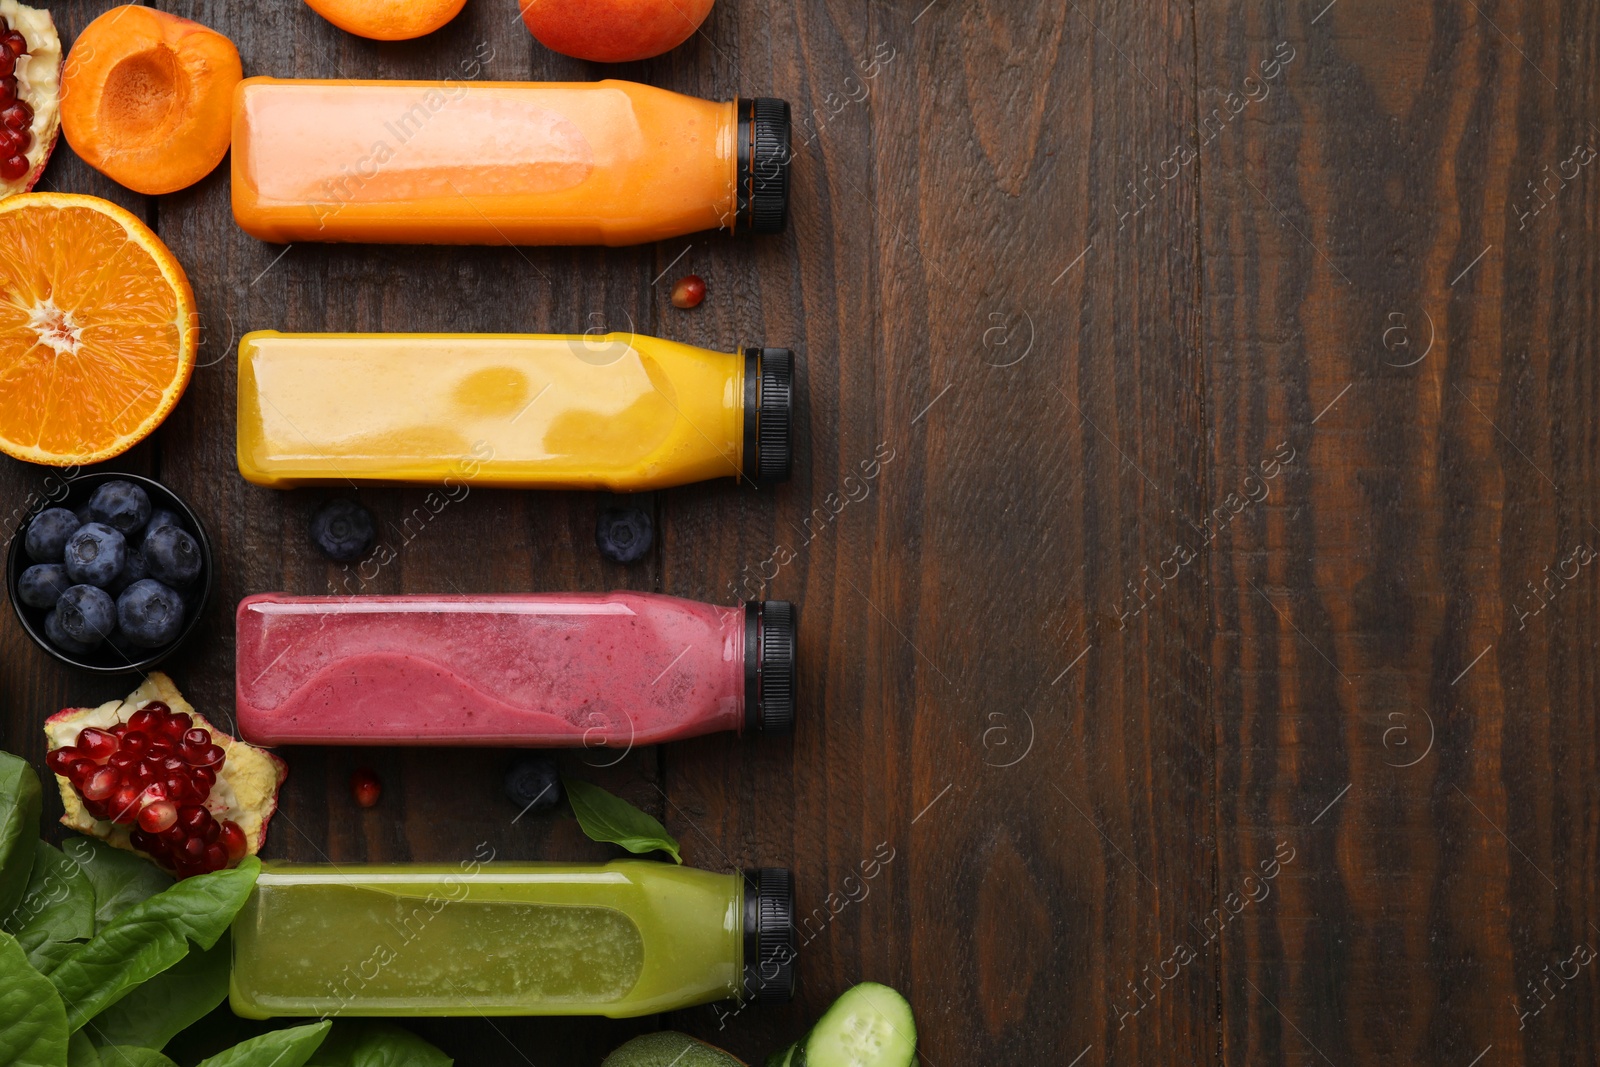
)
(112, 576)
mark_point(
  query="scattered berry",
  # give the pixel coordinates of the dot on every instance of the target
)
(86, 614)
(121, 505)
(95, 554)
(47, 534)
(150, 614)
(688, 291)
(58, 637)
(624, 535)
(365, 787)
(342, 530)
(172, 556)
(41, 585)
(533, 784)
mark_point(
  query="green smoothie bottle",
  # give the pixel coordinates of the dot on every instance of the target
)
(630, 937)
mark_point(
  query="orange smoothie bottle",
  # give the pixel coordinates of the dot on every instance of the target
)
(496, 163)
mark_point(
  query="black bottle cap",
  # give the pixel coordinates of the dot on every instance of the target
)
(763, 175)
(769, 950)
(769, 657)
(768, 414)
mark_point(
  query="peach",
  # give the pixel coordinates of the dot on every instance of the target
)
(387, 20)
(614, 31)
(147, 98)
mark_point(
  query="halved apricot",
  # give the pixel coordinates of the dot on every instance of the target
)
(388, 20)
(147, 98)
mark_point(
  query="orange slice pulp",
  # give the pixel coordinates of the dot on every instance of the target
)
(97, 329)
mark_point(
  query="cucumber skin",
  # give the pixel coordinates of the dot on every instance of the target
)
(784, 1057)
(798, 1052)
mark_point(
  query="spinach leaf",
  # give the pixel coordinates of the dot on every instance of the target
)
(610, 818)
(120, 878)
(153, 1013)
(150, 937)
(81, 1051)
(280, 1048)
(56, 911)
(132, 1056)
(376, 1044)
(33, 1022)
(20, 806)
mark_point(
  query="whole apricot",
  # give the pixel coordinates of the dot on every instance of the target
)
(388, 20)
(614, 31)
(147, 98)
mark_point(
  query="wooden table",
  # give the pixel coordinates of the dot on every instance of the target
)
(1189, 648)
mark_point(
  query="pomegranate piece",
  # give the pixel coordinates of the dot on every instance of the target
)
(365, 787)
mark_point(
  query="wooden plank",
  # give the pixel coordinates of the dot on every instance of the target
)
(1376, 301)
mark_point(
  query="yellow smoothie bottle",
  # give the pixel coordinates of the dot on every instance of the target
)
(534, 163)
(528, 411)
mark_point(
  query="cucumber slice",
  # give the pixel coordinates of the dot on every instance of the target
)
(870, 1025)
(784, 1057)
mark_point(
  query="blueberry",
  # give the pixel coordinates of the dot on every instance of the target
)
(42, 585)
(162, 517)
(134, 567)
(95, 554)
(533, 784)
(342, 530)
(172, 556)
(624, 535)
(86, 614)
(47, 534)
(59, 638)
(120, 505)
(150, 614)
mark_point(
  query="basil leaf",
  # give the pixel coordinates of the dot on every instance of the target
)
(150, 937)
(81, 1051)
(132, 1056)
(610, 818)
(153, 1013)
(20, 806)
(280, 1048)
(33, 1022)
(56, 911)
(376, 1044)
(120, 878)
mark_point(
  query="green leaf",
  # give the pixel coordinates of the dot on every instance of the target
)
(19, 828)
(120, 878)
(152, 1014)
(81, 1051)
(33, 1022)
(150, 937)
(376, 1044)
(56, 911)
(132, 1056)
(281, 1048)
(610, 818)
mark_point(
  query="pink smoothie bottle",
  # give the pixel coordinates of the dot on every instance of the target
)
(549, 670)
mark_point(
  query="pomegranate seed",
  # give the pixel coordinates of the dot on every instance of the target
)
(192, 817)
(58, 759)
(210, 831)
(197, 738)
(116, 729)
(8, 61)
(193, 850)
(144, 719)
(79, 769)
(101, 784)
(212, 757)
(19, 116)
(141, 840)
(205, 778)
(98, 809)
(124, 805)
(123, 761)
(688, 291)
(173, 835)
(160, 746)
(155, 792)
(216, 857)
(231, 838)
(96, 744)
(176, 726)
(180, 790)
(135, 742)
(15, 43)
(365, 787)
(157, 817)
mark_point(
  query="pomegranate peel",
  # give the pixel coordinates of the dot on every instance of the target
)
(237, 807)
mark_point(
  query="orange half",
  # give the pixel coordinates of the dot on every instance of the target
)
(97, 329)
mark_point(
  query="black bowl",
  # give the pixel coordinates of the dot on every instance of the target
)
(72, 494)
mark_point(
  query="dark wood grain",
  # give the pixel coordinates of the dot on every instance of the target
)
(1182, 680)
